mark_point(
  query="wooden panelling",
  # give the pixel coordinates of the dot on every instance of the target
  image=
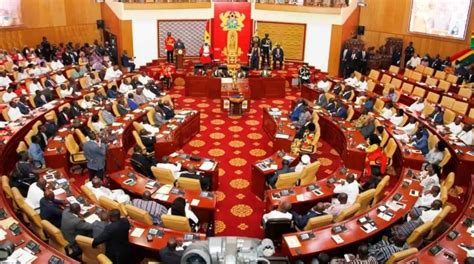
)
(159, 6)
(298, 8)
(339, 34)
(122, 29)
(291, 37)
(383, 18)
(59, 20)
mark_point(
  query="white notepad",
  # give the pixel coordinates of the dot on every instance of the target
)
(292, 242)
(137, 232)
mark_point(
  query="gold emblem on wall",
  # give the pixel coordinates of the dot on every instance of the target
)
(232, 22)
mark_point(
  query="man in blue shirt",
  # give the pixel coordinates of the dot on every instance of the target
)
(341, 110)
(36, 153)
(295, 113)
(131, 102)
(421, 142)
(369, 104)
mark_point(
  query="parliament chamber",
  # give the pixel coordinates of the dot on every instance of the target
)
(269, 131)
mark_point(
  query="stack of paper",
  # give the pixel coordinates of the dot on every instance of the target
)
(137, 232)
(206, 165)
(6, 223)
(292, 242)
(92, 218)
(22, 256)
(165, 189)
(282, 136)
(3, 234)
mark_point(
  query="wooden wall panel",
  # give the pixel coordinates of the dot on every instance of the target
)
(59, 20)
(122, 29)
(339, 34)
(383, 18)
(290, 36)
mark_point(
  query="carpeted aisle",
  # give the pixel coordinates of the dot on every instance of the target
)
(237, 142)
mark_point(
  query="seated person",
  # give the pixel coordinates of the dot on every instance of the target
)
(430, 215)
(410, 127)
(118, 195)
(166, 164)
(179, 207)
(296, 111)
(420, 141)
(324, 85)
(72, 225)
(169, 254)
(397, 119)
(436, 155)
(92, 80)
(132, 104)
(304, 162)
(144, 79)
(76, 109)
(350, 186)
(332, 105)
(9, 95)
(386, 111)
(302, 220)
(347, 93)
(351, 80)
(418, 105)
(51, 128)
(36, 193)
(107, 115)
(14, 112)
(282, 212)
(466, 134)
(391, 95)
(429, 177)
(368, 127)
(97, 125)
(60, 79)
(112, 73)
(64, 116)
(322, 100)
(362, 85)
(40, 99)
(304, 74)
(428, 197)
(87, 103)
(272, 179)
(437, 117)
(369, 103)
(153, 208)
(193, 174)
(455, 127)
(112, 93)
(141, 162)
(23, 105)
(341, 110)
(78, 72)
(36, 153)
(159, 116)
(148, 140)
(168, 109)
(362, 256)
(337, 205)
(50, 209)
(122, 109)
(406, 228)
(304, 117)
(139, 97)
(125, 87)
(384, 249)
(150, 91)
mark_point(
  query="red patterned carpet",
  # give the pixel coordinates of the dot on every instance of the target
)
(237, 142)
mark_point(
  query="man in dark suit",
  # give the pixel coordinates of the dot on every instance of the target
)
(51, 128)
(115, 237)
(43, 137)
(23, 105)
(141, 162)
(204, 180)
(148, 140)
(76, 109)
(352, 63)
(50, 210)
(285, 169)
(169, 254)
(40, 99)
(302, 220)
(363, 58)
(396, 57)
(409, 52)
(341, 110)
(331, 106)
(95, 153)
(63, 116)
(50, 83)
(169, 111)
(437, 116)
(436, 63)
(72, 225)
(278, 56)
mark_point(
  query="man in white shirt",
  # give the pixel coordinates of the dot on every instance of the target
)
(65, 91)
(57, 64)
(350, 187)
(9, 95)
(362, 85)
(4, 79)
(148, 94)
(144, 79)
(112, 73)
(427, 198)
(165, 164)
(14, 112)
(324, 85)
(430, 215)
(59, 78)
(336, 208)
(125, 87)
(409, 128)
(352, 80)
(35, 193)
(34, 86)
(414, 61)
(283, 211)
(455, 127)
(95, 186)
(418, 105)
(87, 103)
(466, 134)
(304, 162)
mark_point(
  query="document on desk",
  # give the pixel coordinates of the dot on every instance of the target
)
(274, 167)
(282, 136)
(165, 189)
(137, 232)
(300, 197)
(6, 223)
(206, 165)
(384, 216)
(59, 191)
(292, 242)
(92, 218)
(22, 256)
(3, 234)
(195, 202)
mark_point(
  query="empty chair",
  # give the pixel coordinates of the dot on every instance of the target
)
(185, 183)
(447, 101)
(428, 109)
(56, 238)
(443, 196)
(379, 190)
(386, 79)
(444, 85)
(397, 83)
(318, 221)
(452, 78)
(364, 200)
(440, 75)
(433, 97)
(151, 116)
(438, 222)
(348, 212)
(401, 255)
(174, 222)
(394, 69)
(374, 74)
(358, 75)
(465, 92)
(449, 181)
(446, 158)
(431, 81)
(417, 76)
(89, 254)
(378, 105)
(139, 142)
(370, 86)
(460, 107)
(419, 68)
(138, 214)
(76, 157)
(416, 237)
(471, 113)
(35, 221)
(163, 176)
(385, 137)
(407, 88)
(390, 149)
(428, 71)
(287, 180)
(103, 259)
(448, 116)
(82, 138)
(308, 175)
(419, 92)
(407, 74)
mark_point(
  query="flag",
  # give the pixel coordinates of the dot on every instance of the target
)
(207, 33)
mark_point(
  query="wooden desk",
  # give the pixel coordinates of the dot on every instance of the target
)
(323, 236)
(204, 210)
(273, 125)
(186, 162)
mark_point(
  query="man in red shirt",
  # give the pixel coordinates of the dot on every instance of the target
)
(169, 46)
